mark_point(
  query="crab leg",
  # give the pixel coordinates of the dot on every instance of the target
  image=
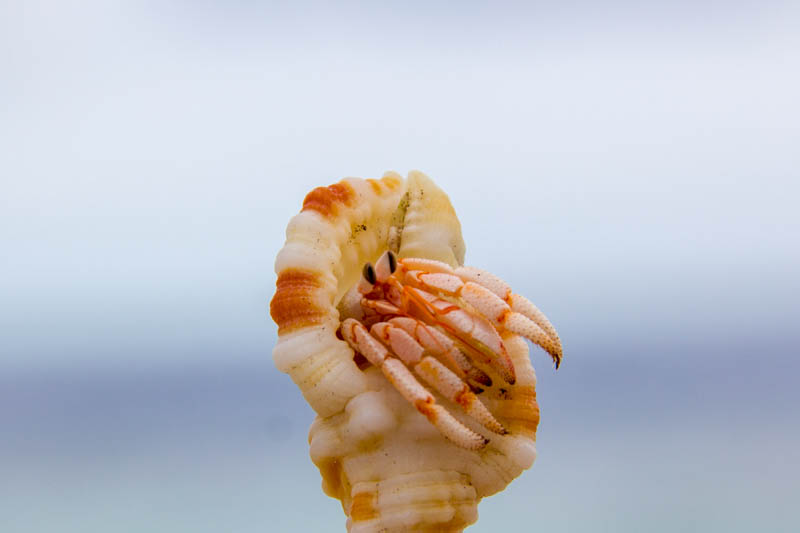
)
(435, 373)
(407, 385)
(433, 340)
(381, 307)
(441, 345)
(517, 302)
(455, 390)
(498, 311)
(475, 333)
(425, 265)
(484, 298)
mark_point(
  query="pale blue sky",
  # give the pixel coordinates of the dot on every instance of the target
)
(155, 151)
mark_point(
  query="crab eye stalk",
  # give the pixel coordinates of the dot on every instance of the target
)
(392, 262)
(369, 274)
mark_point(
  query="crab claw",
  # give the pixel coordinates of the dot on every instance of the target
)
(500, 314)
(517, 302)
(525, 307)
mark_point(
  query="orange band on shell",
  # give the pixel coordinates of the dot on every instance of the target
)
(294, 305)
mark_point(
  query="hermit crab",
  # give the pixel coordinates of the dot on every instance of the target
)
(416, 365)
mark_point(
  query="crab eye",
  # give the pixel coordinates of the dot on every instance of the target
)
(392, 262)
(369, 274)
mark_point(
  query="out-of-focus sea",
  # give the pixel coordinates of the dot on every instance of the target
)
(697, 445)
(633, 169)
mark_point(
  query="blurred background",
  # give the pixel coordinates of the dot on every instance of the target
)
(632, 167)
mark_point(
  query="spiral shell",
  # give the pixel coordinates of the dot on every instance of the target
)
(391, 469)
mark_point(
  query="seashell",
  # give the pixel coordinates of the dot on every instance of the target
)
(390, 467)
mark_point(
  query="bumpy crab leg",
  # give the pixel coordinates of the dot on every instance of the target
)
(474, 333)
(408, 386)
(447, 383)
(489, 295)
(444, 380)
(432, 340)
(517, 302)
(442, 346)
